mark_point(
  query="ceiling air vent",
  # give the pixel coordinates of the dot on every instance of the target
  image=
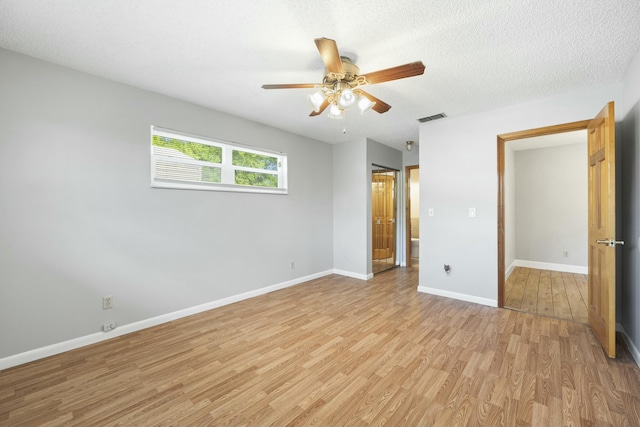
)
(434, 117)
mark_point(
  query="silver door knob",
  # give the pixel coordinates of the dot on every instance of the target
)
(610, 242)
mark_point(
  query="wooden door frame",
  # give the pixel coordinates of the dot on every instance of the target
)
(385, 199)
(407, 182)
(502, 140)
(396, 178)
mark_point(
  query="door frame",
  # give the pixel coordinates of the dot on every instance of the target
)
(407, 183)
(502, 140)
(394, 245)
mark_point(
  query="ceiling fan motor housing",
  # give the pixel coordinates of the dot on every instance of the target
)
(349, 75)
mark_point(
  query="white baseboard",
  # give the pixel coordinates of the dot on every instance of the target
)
(551, 266)
(354, 275)
(632, 348)
(509, 271)
(455, 295)
(50, 350)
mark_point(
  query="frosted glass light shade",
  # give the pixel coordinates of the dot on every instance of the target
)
(316, 100)
(347, 99)
(335, 112)
(364, 104)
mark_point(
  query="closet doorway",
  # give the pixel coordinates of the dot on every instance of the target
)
(412, 174)
(383, 210)
(546, 227)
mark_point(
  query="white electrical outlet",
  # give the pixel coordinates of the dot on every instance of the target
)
(109, 326)
(107, 302)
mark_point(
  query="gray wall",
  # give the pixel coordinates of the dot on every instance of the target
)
(352, 202)
(458, 164)
(350, 180)
(78, 219)
(629, 159)
(551, 204)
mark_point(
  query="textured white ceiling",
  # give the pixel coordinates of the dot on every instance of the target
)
(217, 53)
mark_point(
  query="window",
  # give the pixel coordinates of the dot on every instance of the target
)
(180, 160)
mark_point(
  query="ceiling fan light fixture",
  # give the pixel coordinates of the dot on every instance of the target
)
(364, 104)
(340, 86)
(335, 112)
(347, 99)
(316, 99)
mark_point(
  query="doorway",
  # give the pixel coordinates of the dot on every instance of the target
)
(546, 225)
(383, 210)
(412, 185)
(602, 243)
(502, 141)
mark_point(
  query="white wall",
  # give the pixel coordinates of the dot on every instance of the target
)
(629, 160)
(458, 162)
(78, 219)
(551, 205)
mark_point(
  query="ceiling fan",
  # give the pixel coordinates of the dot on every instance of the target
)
(341, 86)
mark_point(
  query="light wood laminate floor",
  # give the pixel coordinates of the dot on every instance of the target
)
(335, 351)
(548, 293)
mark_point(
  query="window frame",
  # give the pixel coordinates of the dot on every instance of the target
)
(227, 169)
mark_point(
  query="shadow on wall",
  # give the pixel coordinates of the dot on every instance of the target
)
(628, 227)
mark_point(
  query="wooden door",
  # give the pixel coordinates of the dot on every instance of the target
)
(602, 227)
(383, 204)
(383, 221)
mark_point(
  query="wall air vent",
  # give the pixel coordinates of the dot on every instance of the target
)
(434, 117)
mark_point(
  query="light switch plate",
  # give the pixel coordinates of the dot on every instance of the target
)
(472, 212)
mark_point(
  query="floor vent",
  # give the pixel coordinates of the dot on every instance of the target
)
(434, 117)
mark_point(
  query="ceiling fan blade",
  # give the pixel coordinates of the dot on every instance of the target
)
(395, 73)
(291, 86)
(380, 107)
(330, 55)
(323, 107)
